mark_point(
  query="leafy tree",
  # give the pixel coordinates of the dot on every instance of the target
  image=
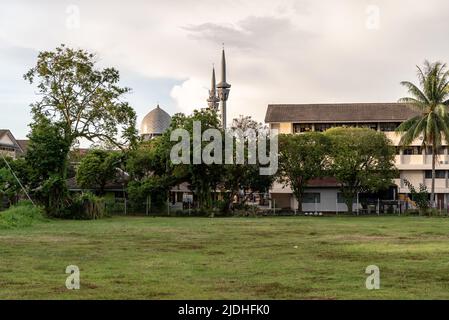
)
(431, 100)
(10, 188)
(46, 158)
(151, 176)
(301, 158)
(420, 196)
(78, 101)
(245, 178)
(203, 178)
(98, 168)
(362, 160)
(8, 185)
(84, 101)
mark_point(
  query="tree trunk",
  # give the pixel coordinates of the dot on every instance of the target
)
(349, 203)
(432, 190)
(299, 199)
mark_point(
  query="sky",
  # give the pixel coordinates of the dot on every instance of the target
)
(278, 51)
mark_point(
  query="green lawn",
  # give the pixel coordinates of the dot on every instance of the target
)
(234, 258)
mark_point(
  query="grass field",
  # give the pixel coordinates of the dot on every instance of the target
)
(234, 258)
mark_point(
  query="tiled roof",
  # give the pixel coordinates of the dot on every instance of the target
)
(350, 112)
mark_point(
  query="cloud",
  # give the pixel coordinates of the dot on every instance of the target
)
(191, 94)
(278, 51)
(250, 33)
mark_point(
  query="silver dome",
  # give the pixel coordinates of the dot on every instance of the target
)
(156, 122)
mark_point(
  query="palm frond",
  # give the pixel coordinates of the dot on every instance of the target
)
(415, 91)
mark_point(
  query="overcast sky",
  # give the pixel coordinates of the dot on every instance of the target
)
(285, 51)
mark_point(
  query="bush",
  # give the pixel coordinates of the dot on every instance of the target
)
(23, 214)
(86, 206)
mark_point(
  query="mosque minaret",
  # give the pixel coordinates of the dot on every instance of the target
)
(221, 89)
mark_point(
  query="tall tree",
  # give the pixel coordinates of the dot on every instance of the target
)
(301, 158)
(430, 99)
(47, 161)
(362, 160)
(203, 178)
(244, 177)
(85, 101)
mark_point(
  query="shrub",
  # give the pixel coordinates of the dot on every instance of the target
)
(23, 214)
(86, 206)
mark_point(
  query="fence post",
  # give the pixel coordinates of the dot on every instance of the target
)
(146, 206)
(336, 205)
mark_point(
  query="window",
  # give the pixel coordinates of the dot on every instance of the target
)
(341, 199)
(412, 151)
(440, 150)
(321, 127)
(302, 127)
(372, 126)
(439, 174)
(389, 126)
(311, 198)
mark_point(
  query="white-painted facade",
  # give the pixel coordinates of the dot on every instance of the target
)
(414, 164)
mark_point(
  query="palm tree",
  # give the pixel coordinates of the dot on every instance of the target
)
(430, 100)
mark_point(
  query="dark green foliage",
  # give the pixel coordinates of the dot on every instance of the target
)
(78, 101)
(47, 161)
(302, 158)
(420, 196)
(98, 168)
(84, 101)
(151, 175)
(85, 206)
(362, 160)
(10, 188)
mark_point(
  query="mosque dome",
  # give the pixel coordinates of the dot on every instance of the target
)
(156, 122)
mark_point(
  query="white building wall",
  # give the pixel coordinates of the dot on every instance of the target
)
(328, 201)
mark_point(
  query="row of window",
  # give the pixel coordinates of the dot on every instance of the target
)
(321, 127)
(316, 198)
(439, 174)
(7, 149)
(418, 150)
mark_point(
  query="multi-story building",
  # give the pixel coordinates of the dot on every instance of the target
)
(414, 162)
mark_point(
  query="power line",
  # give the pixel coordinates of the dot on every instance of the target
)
(14, 174)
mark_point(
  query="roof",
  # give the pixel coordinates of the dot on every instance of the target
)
(156, 121)
(15, 143)
(323, 182)
(344, 112)
(23, 145)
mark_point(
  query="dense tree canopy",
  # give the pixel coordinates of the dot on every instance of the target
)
(85, 101)
(302, 158)
(362, 160)
(98, 168)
